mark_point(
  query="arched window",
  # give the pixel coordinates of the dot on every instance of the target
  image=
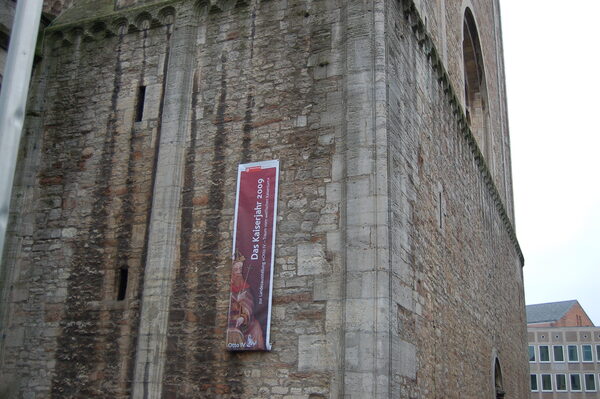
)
(475, 86)
(498, 385)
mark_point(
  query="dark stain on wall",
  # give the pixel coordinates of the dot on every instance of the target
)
(124, 320)
(209, 249)
(247, 129)
(211, 245)
(80, 324)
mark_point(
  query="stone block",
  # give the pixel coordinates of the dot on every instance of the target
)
(311, 259)
(14, 337)
(313, 353)
(404, 358)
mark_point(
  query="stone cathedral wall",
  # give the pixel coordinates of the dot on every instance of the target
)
(86, 195)
(259, 88)
(397, 271)
(55, 7)
(458, 287)
(443, 20)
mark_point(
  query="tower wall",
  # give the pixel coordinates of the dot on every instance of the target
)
(397, 270)
(456, 268)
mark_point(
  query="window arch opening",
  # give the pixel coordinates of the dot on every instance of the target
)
(498, 385)
(476, 101)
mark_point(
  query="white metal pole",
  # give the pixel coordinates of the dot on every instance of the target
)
(13, 98)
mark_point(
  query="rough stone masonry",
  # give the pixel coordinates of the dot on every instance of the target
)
(398, 272)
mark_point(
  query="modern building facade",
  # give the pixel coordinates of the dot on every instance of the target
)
(564, 351)
(397, 269)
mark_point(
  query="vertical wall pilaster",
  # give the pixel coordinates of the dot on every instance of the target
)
(367, 305)
(163, 238)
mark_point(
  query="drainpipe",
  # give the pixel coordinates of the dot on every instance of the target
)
(13, 98)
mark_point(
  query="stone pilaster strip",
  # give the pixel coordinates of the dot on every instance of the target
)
(367, 269)
(163, 240)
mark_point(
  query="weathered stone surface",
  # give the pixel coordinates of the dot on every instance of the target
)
(397, 269)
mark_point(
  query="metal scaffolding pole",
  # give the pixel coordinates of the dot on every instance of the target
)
(13, 98)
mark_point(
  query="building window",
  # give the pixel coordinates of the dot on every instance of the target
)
(546, 382)
(573, 353)
(531, 353)
(534, 384)
(598, 353)
(561, 382)
(122, 284)
(586, 353)
(498, 384)
(590, 382)
(559, 354)
(544, 353)
(575, 382)
(476, 108)
(141, 99)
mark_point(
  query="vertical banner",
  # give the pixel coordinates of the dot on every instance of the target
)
(249, 318)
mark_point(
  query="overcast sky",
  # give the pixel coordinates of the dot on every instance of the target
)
(553, 78)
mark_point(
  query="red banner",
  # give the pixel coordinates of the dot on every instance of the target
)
(249, 318)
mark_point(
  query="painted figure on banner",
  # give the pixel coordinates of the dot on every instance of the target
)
(243, 331)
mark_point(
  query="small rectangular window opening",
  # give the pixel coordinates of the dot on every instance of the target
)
(559, 355)
(572, 353)
(534, 384)
(586, 353)
(441, 215)
(546, 383)
(122, 286)
(139, 112)
(590, 382)
(531, 353)
(561, 382)
(575, 382)
(544, 353)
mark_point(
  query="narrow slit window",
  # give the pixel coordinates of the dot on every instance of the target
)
(122, 286)
(139, 112)
(441, 215)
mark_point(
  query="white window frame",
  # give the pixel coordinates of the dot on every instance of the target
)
(549, 379)
(562, 349)
(537, 385)
(571, 383)
(569, 354)
(585, 383)
(556, 383)
(534, 353)
(540, 353)
(591, 354)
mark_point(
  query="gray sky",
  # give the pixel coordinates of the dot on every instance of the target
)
(551, 51)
